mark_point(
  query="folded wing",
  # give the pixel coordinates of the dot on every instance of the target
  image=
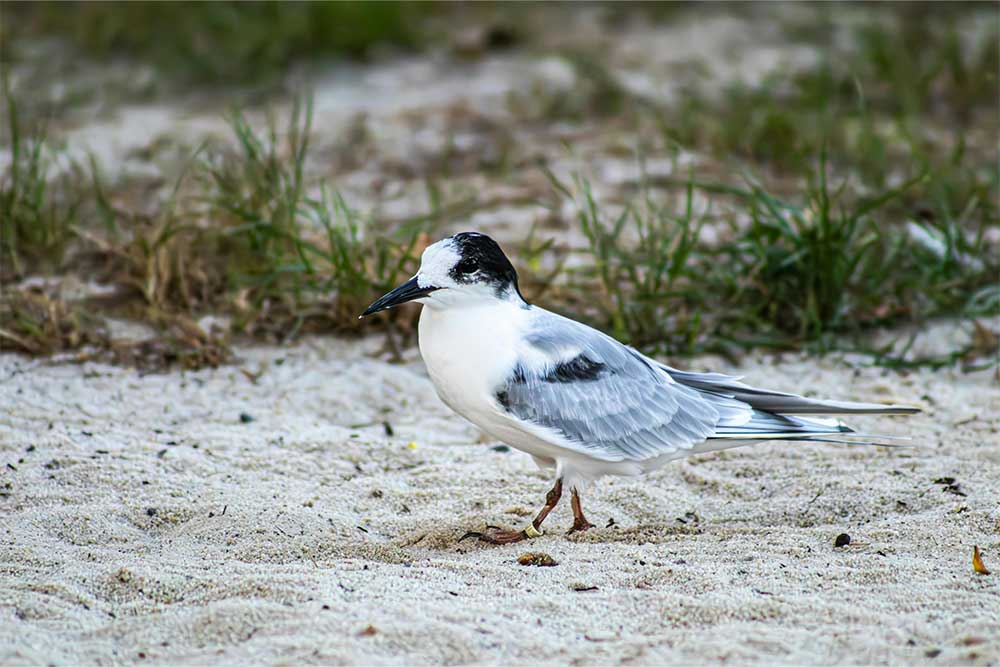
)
(605, 399)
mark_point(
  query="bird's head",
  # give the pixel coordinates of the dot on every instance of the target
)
(465, 269)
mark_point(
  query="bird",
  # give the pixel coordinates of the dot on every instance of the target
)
(581, 403)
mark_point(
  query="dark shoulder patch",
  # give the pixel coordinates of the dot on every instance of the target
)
(578, 369)
(516, 379)
(503, 398)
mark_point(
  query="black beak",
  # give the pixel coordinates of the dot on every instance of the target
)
(408, 291)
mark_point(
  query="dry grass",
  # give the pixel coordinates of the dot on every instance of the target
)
(247, 234)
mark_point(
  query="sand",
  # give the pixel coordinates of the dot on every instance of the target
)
(311, 514)
(305, 505)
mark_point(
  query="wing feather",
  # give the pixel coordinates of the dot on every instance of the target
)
(605, 399)
(779, 402)
(586, 391)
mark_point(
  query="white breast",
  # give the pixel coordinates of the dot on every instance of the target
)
(469, 352)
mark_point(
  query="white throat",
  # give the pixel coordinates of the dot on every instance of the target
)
(470, 346)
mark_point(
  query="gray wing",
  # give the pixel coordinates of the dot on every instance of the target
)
(605, 399)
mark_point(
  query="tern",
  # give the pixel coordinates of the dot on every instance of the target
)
(578, 401)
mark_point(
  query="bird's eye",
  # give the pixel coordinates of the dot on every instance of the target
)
(466, 266)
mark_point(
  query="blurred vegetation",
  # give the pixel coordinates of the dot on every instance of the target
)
(227, 42)
(818, 270)
(903, 95)
(856, 193)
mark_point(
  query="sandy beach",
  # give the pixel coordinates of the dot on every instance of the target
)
(304, 504)
(311, 514)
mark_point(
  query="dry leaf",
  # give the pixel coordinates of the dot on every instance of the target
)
(537, 559)
(977, 561)
(370, 631)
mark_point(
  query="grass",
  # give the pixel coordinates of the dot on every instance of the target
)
(856, 194)
(296, 253)
(902, 99)
(807, 268)
(640, 261)
(902, 124)
(251, 238)
(37, 209)
(242, 234)
(37, 322)
(222, 42)
(596, 93)
(820, 271)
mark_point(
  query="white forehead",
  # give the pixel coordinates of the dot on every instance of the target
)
(436, 263)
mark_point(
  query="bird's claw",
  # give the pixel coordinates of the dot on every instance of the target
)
(497, 535)
(579, 526)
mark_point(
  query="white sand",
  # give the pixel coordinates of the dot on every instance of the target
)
(142, 522)
(148, 524)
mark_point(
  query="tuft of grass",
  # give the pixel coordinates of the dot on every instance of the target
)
(36, 321)
(902, 119)
(291, 252)
(38, 207)
(641, 262)
(808, 269)
(257, 195)
(157, 257)
(914, 92)
(243, 234)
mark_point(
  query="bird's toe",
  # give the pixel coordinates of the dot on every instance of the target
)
(579, 526)
(496, 535)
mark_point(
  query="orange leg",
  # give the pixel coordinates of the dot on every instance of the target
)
(580, 522)
(500, 536)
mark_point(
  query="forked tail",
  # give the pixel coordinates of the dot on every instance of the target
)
(769, 426)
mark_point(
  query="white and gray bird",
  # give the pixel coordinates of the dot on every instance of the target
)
(578, 401)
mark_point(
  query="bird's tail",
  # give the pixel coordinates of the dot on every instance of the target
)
(780, 402)
(769, 426)
(750, 414)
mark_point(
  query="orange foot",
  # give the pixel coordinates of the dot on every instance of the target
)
(579, 525)
(497, 535)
